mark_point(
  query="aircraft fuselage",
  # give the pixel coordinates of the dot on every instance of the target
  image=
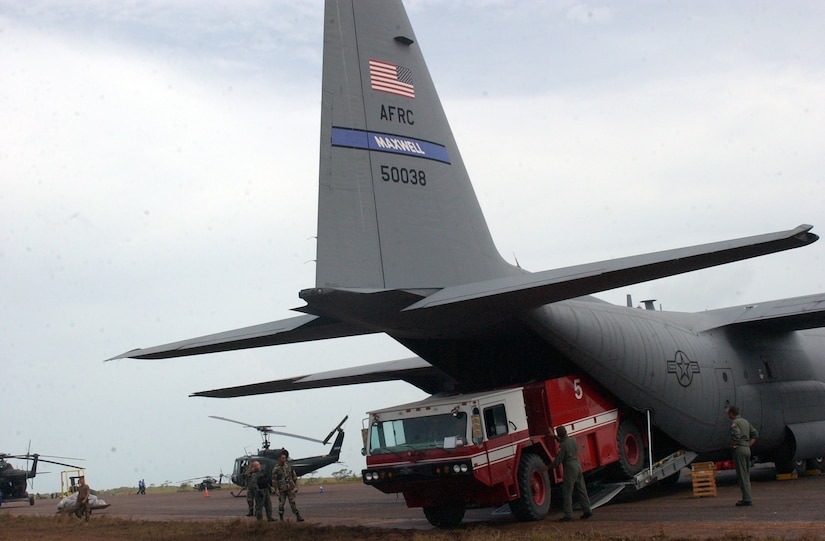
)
(658, 361)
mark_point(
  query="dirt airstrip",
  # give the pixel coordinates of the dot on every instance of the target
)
(792, 509)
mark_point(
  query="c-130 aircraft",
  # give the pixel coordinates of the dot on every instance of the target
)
(403, 249)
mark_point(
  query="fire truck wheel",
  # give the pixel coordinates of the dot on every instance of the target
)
(533, 502)
(445, 516)
(631, 448)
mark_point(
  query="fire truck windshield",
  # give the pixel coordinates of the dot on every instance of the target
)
(445, 431)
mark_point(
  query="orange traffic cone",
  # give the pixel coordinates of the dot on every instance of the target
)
(205, 492)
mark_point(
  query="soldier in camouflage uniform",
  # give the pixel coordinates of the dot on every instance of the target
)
(82, 503)
(284, 479)
(250, 493)
(259, 483)
(742, 437)
(573, 477)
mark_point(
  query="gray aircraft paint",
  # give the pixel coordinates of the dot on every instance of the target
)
(417, 262)
(385, 234)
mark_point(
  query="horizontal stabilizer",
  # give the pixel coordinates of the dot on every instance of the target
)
(413, 370)
(284, 331)
(784, 315)
(532, 290)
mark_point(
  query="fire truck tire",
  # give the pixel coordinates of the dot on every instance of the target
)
(445, 516)
(631, 448)
(533, 502)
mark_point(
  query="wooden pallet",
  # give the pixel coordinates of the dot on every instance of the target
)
(703, 475)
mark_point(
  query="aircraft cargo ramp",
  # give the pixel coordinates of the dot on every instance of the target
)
(670, 465)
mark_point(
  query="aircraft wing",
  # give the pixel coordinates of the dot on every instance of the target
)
(784, 315)
(532, 290)
(284, 331)
(414, 370)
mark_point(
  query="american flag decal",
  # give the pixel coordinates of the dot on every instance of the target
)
(386, 77)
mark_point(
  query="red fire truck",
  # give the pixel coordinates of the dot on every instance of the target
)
(447, 453)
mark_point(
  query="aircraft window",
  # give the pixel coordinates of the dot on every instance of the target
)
(419, 433)
(495, 421)
(240, 466)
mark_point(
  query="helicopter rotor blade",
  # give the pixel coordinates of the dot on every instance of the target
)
(28, 452)
(336, 429)
(62, 457)
(29, 456)
(270, 431)
(260, 428)
(267, 429)
(62, 463)
(202, 477)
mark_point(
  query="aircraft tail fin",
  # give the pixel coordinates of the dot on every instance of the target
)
(396, 208)
(336, 445)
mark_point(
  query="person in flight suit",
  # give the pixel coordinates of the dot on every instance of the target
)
(742, 437)
(568, 457)
(259, 481)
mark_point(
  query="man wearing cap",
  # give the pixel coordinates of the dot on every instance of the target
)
(568, 457)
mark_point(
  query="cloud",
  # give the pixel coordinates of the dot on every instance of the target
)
(159, 164)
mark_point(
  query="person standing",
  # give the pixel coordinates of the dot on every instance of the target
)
(250, 491)
(568, 457)
(742, 437)
(285, 480)
(260, 482)
(82, 503)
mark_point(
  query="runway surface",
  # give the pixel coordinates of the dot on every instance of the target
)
(788, 509)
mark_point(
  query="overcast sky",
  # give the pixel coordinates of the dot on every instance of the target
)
(159, 163)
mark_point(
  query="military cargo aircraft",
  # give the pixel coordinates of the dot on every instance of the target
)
(403, 249)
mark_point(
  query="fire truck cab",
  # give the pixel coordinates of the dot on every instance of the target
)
(448, 453)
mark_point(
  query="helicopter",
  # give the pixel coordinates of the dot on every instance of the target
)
(268, 458)
(206, 482)
(13, 481)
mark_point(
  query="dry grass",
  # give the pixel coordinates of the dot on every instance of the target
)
(100, 528)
